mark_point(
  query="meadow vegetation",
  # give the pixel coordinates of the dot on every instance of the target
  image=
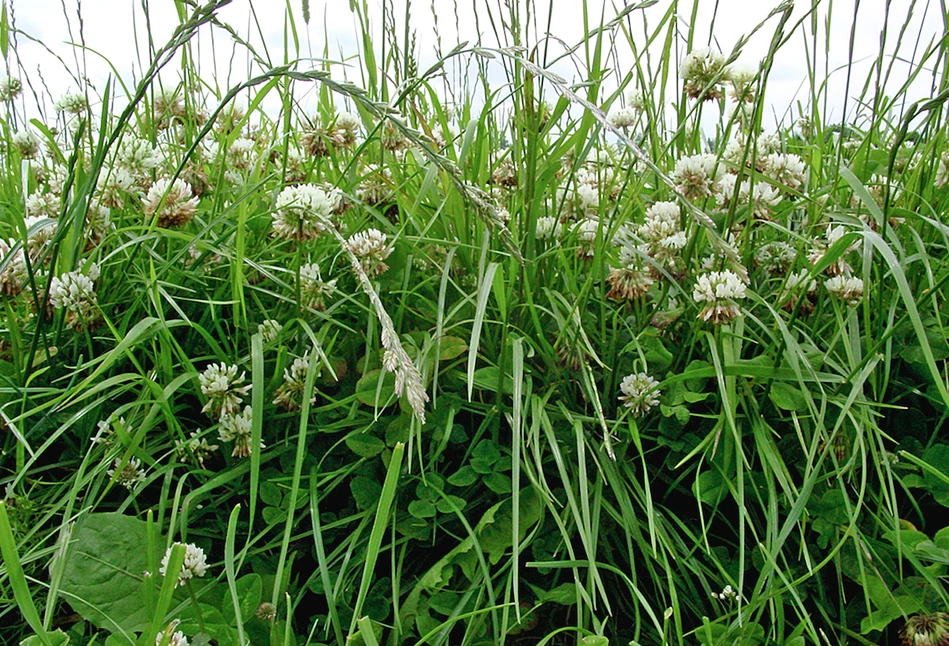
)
(472, 353)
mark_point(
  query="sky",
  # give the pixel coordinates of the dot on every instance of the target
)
(116, 35)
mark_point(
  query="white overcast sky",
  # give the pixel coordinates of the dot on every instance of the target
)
(111, 28)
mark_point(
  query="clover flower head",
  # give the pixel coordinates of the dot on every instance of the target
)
(586, 236)
(10, 88)
(172, 201)
(662, 220)
(548, 228)
(195, 563)
(138, 158)
(26, 143)
(775, 257)
(719, 291)
(221, 385)
(370, 249)
(237, 428)
(847, 288)
(942, 171)
(926, 630)
(741, 78)
(348, 121)
(269, 330)
(301, 212)
(313, 289)
(75, 293)
(13, 275)
(43, 205)
(798, 292)
(74, 103)
(128, 474)
(195, 447)
(788, 170)
(290, 393)
(376, 185)
(622, 116)
(640, 393)
(698, 176)
(175, 637)
(702, 70)
(113, 186)
(628, 283)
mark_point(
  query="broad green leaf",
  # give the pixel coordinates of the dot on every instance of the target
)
(451, 347)
(422, 509)
(249, 594)
(565, 594)
(710, 488)
(938, 458)
(102, 575)
(55, 638)
(376, 388)
(366, 492)
(787, 397)
(463, 477)
(365, 445)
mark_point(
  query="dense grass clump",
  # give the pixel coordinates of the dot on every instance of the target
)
(436, 358)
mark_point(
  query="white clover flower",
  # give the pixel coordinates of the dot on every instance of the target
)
(621, 116)
(290, 393)
(762, 198)
(74, 292)
(719, 290)
(302, 212)
(942, 172)
(376, 185)
(588, 196)
(10, 88)
(195, 447)
(726, 594)
(237, 428)
(370, 249)
(847, 288)
(138, 158)
(348, 121)
(635, 99)
(220, 384)
(741, 76)
(776, 257)
(640, 393)
(113, 186)
(662, 220)
(175, 638)
(698, 176)
(26, 143)
(586, 237)
(663, 236)
(240, 154)
(13, 274)
(43, 205)
(313, 289)
(798, 292)
(172, 201)
(702, 70)
(127, 474)
(195, 564)
(628, 283)
(269, 330)
(73, 103)
(548, 228)
(788, 170)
